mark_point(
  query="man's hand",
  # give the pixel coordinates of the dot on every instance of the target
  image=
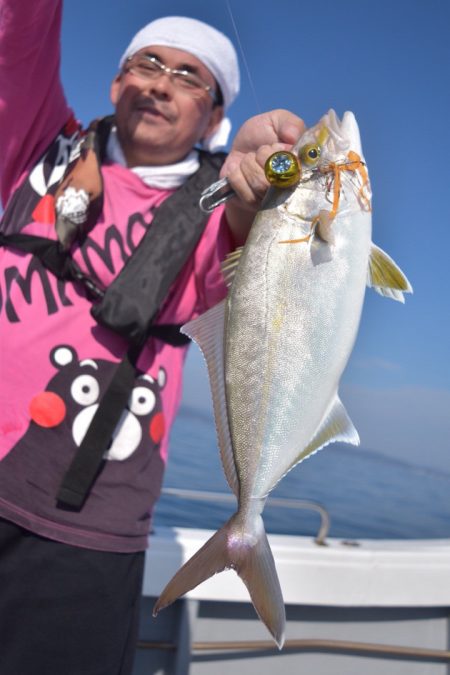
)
(255, 141)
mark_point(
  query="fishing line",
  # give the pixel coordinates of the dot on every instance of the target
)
(244, 59)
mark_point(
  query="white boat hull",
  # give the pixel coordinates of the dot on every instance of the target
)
(381, 593)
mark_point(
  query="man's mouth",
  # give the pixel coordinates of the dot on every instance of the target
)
(152, 111)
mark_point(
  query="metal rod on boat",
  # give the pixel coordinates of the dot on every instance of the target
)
(311, 644)
(273, 501)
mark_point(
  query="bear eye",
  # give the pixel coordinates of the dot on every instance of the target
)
(142, 401)
(85, 389)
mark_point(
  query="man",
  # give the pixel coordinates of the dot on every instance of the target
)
(70, 573)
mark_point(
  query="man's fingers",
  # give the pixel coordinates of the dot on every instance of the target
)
(246, 175)
(246, 183)
(272, 127)
(287, 127)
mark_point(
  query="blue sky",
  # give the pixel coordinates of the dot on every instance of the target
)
(388, 62)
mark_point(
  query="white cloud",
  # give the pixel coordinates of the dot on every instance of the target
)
(376, 363)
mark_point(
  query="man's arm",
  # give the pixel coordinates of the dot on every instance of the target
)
(255, 141)
(32, 103)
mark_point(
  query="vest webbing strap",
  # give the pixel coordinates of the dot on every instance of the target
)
(64, 268)
(88, 460)
(52, 257)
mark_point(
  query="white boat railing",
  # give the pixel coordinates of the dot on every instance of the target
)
(206, 496)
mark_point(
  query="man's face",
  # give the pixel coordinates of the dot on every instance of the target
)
(157, 121)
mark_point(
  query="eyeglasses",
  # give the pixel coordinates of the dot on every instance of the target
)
(149, 68)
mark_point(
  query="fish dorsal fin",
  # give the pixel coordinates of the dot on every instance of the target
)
(336, 425)
(385, 277)
(207, 331)
(230, 264)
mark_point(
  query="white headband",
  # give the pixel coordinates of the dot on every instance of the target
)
(206, 43)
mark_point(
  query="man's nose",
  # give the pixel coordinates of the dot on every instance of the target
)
(162, 86)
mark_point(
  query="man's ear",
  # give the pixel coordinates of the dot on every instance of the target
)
(215, 119)
(115, 89)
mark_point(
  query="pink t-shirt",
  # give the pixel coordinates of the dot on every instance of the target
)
(55, 360)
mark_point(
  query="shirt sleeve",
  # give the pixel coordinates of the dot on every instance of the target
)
(214, 246)
(32, 103)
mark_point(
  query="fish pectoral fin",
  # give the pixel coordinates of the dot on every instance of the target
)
(335, 426)
(230, 265)
(324, 226)
(385, 277)
(249, 554)
(208, 331)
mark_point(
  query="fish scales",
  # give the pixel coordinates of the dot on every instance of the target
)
(278, 345)
(282, 384)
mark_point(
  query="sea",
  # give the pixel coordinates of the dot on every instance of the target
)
(366, 494)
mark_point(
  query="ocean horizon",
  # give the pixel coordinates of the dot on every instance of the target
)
(367, 494)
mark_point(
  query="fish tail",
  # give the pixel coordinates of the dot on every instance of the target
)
(256, 567)
(232, 547)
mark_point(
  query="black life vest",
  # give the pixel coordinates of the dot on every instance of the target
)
(130, 304)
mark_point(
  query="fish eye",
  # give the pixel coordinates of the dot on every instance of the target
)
(310, 154)
(282, 169)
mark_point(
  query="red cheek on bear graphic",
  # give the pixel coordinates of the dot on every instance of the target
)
(47, 409)
(157, 427)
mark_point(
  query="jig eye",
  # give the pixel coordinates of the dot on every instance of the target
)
(282, 169)
(310, 154)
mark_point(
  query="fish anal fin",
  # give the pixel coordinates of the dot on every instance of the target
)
(385, 277)
(207, 331)
(335, 426)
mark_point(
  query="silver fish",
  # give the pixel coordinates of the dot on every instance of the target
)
(276, 347)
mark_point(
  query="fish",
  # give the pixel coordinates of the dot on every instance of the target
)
(276, 347)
